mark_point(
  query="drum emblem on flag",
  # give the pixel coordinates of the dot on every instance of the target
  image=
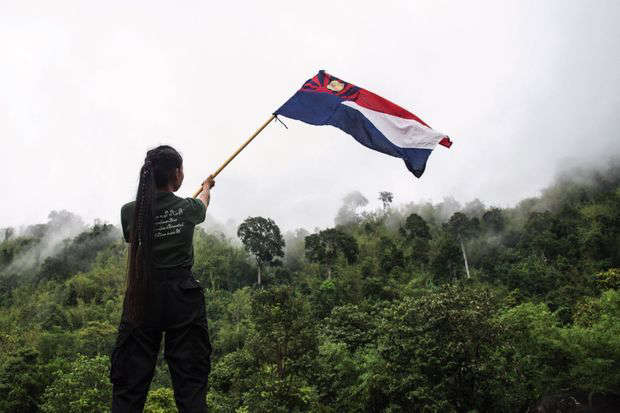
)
(335, 85)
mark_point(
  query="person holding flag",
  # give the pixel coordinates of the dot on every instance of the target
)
(162, 296)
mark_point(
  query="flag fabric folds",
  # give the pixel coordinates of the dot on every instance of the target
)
(373, 121)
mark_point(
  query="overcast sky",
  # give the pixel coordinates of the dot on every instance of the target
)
(522, 87)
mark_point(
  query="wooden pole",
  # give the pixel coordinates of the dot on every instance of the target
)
(259, 130)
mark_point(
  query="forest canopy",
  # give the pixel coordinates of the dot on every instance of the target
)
(414, 308)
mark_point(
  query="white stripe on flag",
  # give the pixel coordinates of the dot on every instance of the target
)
(405, 133)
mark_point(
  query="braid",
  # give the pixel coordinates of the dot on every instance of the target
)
(159, 166)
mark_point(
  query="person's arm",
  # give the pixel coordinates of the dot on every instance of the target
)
(205, 195)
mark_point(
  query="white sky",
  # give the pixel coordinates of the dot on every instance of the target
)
(87, 87)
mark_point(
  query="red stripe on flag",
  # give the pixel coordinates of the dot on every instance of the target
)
(446, 142)
(377, 103)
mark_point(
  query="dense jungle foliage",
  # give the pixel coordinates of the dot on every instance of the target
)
(377, 314)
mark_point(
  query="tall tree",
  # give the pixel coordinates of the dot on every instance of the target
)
(463, 227)
(386, 198)
(262, 238)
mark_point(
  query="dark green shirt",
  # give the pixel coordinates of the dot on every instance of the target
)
(173, 229)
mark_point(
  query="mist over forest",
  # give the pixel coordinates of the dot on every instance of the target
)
(417, 307)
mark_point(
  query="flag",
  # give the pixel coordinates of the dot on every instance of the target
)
(373, 121)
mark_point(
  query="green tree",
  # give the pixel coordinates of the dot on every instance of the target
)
(273, 370)
(324, 298)
(160, 400)
(231, 377)
(262, 237)
(273, 393)
(531, 360)
(57, 342)
(390, 255)
(336, 376)
(83, 387)
(326, 246)
(22, 382)
(445, 259)
(284, 334)
(493, 220)
(436, 350)
(220, 265)
(96, 338)
(594, 346)
(351, 325)
(599, 232)
(543, 235)
(417, 235)
(415, 228)
(234, 327)
(609, 279)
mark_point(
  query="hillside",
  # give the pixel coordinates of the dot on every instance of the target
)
(387, 318)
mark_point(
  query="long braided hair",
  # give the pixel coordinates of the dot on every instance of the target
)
(158, 170)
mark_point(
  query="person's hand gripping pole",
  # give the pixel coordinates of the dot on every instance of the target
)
(205, 192)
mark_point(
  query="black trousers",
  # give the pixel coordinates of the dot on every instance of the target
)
(176, 311)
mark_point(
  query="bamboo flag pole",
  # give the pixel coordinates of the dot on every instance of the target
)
(259, 130)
